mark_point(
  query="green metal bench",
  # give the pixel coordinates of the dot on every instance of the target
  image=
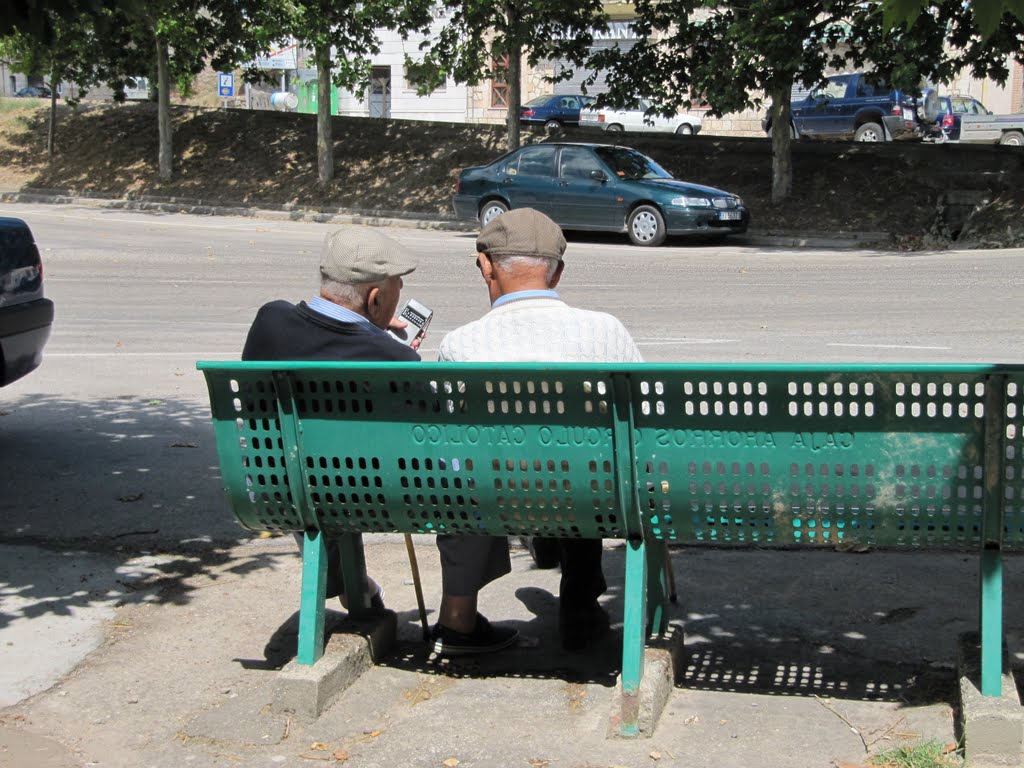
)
(922, 457)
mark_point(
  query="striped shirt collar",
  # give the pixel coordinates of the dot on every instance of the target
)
(521, 295)
(342, 314)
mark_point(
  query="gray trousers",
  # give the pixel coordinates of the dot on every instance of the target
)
(468, 563)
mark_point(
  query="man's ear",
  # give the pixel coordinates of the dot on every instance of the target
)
(558, 274)
(486, 266)
(373, 303)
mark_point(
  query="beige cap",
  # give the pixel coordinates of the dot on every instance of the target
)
(354, 254)
(522, 232)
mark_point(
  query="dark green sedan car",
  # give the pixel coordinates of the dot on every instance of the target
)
(600, 188)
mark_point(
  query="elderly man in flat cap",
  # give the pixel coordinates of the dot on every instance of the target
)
(519, 255)
(361, 274)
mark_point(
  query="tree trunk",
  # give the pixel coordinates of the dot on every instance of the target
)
(515, 93)
(514, 73)
(324, 137)
(51, 129)
(782, 143)
(164, 109)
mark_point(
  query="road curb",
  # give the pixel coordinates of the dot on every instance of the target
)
(374, 218)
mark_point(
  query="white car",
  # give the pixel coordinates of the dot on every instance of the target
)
(636, 120)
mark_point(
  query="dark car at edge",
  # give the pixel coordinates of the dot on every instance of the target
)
(553, 111)
(597, 188)
(25, 315)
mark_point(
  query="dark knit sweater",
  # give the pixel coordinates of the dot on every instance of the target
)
(285, 331)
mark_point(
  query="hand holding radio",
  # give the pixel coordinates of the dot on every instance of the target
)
(417, 317)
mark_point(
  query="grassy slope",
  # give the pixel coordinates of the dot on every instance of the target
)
(269, 158)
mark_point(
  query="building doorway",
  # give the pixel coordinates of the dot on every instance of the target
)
(379, 95)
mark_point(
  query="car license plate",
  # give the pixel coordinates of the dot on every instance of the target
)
(729, 216)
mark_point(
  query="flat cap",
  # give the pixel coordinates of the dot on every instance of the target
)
(354, 254)
(522, 232)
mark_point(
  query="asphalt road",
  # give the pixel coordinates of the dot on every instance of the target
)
(109, 440)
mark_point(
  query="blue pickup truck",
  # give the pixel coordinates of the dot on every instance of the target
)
(858, 107)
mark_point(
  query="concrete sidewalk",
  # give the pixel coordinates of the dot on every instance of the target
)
(792, 659)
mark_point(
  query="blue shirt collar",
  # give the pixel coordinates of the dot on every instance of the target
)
(341, 314)
(520, 295)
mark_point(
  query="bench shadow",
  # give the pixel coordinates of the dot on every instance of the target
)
(122, 495)
(753, 622)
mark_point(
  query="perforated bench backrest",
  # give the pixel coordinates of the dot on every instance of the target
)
(815, 456)
(412, 448)
(785, 455)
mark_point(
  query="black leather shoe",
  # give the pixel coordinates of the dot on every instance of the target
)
(485, 638)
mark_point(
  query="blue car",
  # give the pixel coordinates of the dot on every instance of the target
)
(598, 188)
(552, 111)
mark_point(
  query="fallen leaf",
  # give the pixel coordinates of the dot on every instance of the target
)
(539, 762)
(319, 746)
(949, 748)
(655, 755)
(130, 497)
(341, 755)
(691, 720)
(451, 762)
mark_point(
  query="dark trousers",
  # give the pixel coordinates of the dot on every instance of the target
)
(582, 578)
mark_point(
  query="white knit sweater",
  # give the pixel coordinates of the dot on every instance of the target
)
(540, 330)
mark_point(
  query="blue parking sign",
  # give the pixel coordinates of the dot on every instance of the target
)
(225, 84)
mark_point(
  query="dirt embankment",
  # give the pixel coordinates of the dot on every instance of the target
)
(921, 194)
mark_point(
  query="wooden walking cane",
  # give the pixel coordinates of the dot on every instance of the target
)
(419, 588)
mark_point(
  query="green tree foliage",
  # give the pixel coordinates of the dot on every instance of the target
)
(490, 40)
(342, 36)
(85, 51)
(988, 15)
(742, 55)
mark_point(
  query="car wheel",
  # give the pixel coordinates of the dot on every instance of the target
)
(685, 130)
(869, 132)
(646, 226)
(1012, 139)
(552, 125)
(491, 210)
(614, 128)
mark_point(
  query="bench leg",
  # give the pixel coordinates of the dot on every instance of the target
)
(991, 613)
(634, 635)
(353, 572)
(657, 588)
(314, 591)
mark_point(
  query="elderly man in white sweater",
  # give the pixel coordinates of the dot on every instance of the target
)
(519, 255)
